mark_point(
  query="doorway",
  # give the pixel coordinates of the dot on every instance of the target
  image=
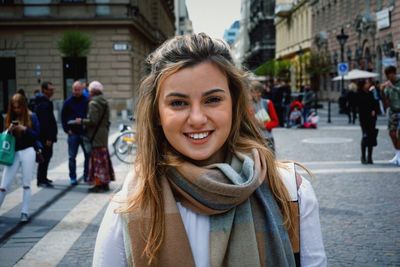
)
(7, 81)
(74, 68)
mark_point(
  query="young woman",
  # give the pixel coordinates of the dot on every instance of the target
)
(97, 124)
(24, 125)
(206, 190)
(368, 108)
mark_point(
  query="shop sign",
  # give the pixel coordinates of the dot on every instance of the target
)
(383, 19)
(120, 46)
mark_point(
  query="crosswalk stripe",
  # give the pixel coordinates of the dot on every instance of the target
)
(50, 250)
(60, 173)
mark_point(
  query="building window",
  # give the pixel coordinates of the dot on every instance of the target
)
(43, 8)
(102, 10)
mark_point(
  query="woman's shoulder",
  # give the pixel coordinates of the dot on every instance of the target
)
(297, 185)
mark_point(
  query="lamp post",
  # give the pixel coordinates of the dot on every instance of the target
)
(342, 39)
(334, 59)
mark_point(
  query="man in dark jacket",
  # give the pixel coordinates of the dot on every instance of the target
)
(75, 107)
(48, 130)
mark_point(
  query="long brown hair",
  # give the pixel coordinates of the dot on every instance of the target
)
(24, 118)
(175, 54)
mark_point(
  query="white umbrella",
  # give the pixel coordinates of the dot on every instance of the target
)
(356, 74)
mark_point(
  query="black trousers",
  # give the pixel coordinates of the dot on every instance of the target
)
(44, 166)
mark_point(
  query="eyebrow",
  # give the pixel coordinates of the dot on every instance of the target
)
(210, 92)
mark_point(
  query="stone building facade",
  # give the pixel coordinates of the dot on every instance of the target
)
(293, 38)
(373, 29)
(122, 33)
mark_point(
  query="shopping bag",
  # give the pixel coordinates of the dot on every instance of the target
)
(7, 148)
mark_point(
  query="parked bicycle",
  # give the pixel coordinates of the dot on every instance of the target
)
(125, 144)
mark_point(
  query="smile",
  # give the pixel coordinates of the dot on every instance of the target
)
(198, 136)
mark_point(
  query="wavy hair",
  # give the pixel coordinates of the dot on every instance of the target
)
(24, 118)
(152, 147)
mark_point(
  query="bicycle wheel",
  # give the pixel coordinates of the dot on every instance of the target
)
(125, 147)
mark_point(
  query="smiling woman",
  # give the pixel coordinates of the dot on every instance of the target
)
(195, 109)
(205, 184)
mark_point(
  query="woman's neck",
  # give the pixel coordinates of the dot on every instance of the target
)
(217, 157)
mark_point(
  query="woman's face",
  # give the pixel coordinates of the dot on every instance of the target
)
(255, 94)
(195, 108)
(16, 108)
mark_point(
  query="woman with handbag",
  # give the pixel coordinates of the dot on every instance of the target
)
(264, 113)
(24, 126)
(97, 125)
(368, 109)
(205, 191)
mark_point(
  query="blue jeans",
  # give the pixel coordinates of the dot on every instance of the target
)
(74, 141)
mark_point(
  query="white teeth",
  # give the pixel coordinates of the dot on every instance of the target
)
(198, 136)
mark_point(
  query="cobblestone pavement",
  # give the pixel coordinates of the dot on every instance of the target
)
(358, 203)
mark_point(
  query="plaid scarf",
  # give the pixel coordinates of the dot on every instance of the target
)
(246, 227)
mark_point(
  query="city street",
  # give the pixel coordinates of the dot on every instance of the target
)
(359, 204)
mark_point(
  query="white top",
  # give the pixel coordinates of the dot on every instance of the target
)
(110, 251)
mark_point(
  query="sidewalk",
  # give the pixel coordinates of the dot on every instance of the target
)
(49, 207)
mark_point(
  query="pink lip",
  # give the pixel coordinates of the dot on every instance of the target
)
(199, 141)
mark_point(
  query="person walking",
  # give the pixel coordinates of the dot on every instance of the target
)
(97, 124)
(264, 113)
(205, 190)
(307, 101)
(352, 102)
(24, 126)
(368, 109)
(391, 98)
(48, 131)
(75, 107)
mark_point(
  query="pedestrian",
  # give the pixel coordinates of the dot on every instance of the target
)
(307, 101)
(352, 102)
(97, 125)
(286, 100)
(277, 99)
(24, 126)
(32, 100)
(368, 109)
(264, 112)
(391, 98)
(48, 131)
(75, 106)
(206, 191)
(85, 90)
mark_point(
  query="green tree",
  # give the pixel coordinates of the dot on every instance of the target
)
(274, 68)
(74, 44)
(318, 64)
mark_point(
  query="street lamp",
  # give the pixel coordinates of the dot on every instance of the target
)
(334, 59)
(342, 39)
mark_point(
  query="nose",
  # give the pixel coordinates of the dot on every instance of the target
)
(197, 116)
